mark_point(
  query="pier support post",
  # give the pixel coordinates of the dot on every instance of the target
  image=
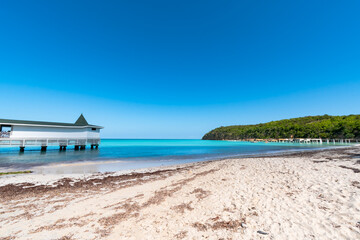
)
(62, 148)
(97, 146)
(22, 149)
(82, 147)
(43, 148)
(76, 147)
(92, 146)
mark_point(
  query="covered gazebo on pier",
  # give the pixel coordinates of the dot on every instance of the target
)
(24, 133)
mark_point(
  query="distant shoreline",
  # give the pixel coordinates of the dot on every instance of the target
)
(301, 129)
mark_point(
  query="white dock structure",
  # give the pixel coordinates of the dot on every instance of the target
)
(35, 133)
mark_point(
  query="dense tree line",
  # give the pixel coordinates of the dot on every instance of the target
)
(325, 126)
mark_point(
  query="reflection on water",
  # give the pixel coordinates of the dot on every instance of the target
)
(35, 157)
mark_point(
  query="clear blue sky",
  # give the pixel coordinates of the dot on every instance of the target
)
(177, 69)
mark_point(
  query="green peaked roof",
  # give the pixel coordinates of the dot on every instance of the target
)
(81, 121)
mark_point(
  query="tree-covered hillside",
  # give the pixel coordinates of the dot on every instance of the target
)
(325, 126)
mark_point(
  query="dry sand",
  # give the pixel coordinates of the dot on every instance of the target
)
(309, 195)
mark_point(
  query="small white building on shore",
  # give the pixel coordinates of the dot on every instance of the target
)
(23, 133)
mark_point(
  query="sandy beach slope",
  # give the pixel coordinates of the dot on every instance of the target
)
(308, 195)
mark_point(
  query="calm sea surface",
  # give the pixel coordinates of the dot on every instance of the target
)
(153, 152)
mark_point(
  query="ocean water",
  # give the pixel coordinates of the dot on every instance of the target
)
(136, 153)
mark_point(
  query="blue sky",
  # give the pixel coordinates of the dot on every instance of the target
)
(177, 69)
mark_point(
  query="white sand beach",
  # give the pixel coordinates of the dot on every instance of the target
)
(308, 195)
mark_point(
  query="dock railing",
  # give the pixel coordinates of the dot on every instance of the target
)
(22, 142)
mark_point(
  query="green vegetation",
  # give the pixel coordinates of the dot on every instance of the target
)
(19, 172)
(332, 127)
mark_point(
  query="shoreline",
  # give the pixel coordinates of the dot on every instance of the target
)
(300, 195)
(35, 179)
(49, 174)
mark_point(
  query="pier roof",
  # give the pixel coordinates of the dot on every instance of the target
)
(80, 123)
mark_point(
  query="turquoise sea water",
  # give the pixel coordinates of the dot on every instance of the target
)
(157, 152)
